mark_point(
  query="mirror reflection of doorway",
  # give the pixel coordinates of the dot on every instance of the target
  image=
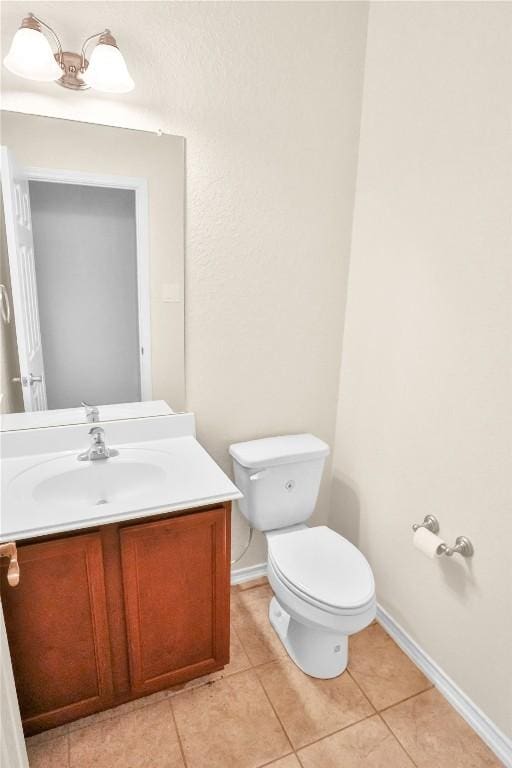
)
(85, 253)
(80, 287)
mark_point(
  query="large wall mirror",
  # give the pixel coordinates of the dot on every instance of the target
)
(92, 269)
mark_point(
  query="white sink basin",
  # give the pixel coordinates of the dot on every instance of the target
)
(55, 492)
(65, 482)
(100, 482)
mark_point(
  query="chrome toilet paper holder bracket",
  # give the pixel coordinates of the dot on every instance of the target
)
(430, 522)
(462, 545)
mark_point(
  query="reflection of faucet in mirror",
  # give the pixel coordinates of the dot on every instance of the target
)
(98, 450)
(91, 412)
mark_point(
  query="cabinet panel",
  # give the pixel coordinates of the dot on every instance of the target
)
(57, 630)
(176, 592)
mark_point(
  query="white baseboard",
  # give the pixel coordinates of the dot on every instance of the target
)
(500, 744)
(240, 575)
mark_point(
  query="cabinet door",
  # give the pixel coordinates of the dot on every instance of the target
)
(56, 624)
(176, 591)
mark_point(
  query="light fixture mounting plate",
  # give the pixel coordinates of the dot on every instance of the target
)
(71, 64)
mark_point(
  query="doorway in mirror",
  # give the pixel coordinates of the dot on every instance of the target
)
(79, 274)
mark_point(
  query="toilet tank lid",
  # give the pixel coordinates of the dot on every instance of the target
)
(285, 449)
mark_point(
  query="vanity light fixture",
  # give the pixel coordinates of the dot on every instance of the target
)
(32, 57)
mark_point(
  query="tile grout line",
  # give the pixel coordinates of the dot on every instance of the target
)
(378, 711)
(347, 670)
(173, 714)
(407, 698)
(390, 706)
(276, 760)
(292, 748)
(326, 735)
(397, 739)
(333, 733)
(395, 703)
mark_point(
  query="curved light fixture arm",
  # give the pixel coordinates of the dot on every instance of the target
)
(47, 26)
(87, 40)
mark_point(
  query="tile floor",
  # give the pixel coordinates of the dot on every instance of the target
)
(262, 711)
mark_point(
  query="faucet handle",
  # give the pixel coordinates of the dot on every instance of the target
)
(97, 434)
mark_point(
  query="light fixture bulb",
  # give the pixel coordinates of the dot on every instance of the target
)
(31, 56)
(107, 70)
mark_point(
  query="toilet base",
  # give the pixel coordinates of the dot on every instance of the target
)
(316, 652)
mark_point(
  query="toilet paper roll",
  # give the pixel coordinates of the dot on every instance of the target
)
(427, 542)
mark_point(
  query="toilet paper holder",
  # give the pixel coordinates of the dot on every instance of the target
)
(430, 522)
(462, 545)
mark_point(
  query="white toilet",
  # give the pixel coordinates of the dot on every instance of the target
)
(323, 586)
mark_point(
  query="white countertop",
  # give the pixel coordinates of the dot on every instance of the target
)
(191, 479)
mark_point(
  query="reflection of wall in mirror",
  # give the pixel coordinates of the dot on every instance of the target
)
(11, 399)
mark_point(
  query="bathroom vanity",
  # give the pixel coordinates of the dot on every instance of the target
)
(122, 595)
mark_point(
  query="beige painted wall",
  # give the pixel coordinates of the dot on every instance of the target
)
(76, 146)
(268, 97)
(425, 410)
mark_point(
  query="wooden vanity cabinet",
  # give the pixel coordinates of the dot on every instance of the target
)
(103, 617)
(176, 598)
(56, 620)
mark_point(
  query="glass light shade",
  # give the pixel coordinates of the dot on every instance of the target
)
(31, 56)
(107, 70)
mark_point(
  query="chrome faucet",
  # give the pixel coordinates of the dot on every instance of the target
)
(98, 450)
(92, 413)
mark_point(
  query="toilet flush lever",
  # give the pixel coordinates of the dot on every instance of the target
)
(258, 475)
(13, 570)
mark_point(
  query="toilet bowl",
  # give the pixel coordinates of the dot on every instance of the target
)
(323, 591)
(323, 586)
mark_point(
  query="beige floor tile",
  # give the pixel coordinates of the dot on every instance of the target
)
(61, 730)
(249, 611)
(435, 736)
(122, 709)
(365, 745)
(238, 659)
(382, 670)
(229, 724)
(245, 585)
(310, 708)
(144, 738)
(285, 762)
(48, 754)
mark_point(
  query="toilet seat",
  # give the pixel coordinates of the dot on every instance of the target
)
(322, 568)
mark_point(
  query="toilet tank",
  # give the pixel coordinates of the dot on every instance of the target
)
(279, 478)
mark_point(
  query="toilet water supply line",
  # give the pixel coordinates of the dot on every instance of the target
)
(251, 531)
